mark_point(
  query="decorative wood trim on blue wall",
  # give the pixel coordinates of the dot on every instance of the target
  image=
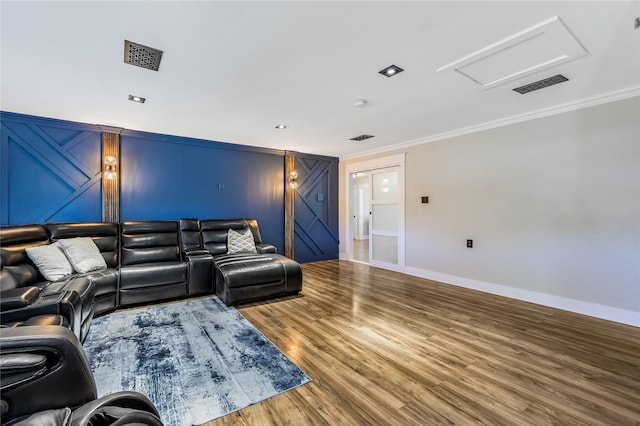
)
(110, 187)
(316, 208)
(50, 170)
(289, 202)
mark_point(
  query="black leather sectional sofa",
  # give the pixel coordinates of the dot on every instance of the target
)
(147, 261)
(44, 367)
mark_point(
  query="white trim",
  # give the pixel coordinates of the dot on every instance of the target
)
(578, 306)
(595, 310)
(544, 112)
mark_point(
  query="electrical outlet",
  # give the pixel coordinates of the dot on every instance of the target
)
(470, 243)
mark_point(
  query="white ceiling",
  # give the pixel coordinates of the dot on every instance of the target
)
(233, 70)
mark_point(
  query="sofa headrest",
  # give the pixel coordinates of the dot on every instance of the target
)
(149, 241)
(214, 232)
(15, 239)
(104, 234)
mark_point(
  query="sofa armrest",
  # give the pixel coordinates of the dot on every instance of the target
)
(266, 248)
(17, 298)
(66, 381)
(127, 407)
(20, 367)
(200, 280)
(196, 252)
(65, 303)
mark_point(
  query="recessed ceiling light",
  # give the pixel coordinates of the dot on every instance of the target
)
(138, 99)
(281, 126)
(391, 70)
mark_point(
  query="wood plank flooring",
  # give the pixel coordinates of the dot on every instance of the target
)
(385, 348)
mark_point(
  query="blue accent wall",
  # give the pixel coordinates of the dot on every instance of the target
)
(169, 177)
(316, 208)
(50, 170)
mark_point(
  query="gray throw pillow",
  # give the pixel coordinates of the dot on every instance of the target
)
(240, 242)
(83, 254)
(50, 261)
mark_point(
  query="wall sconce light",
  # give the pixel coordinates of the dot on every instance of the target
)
(293, 176)
(110, 163)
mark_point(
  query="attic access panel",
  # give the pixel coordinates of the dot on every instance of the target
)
(545, 45)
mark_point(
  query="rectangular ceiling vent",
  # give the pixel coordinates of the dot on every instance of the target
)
(142, 56)
(541, 84)
(361, 138)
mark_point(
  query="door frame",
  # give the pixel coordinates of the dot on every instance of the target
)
(365, 166)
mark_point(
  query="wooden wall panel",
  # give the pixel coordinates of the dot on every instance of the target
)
(289, 200)
(111, 187)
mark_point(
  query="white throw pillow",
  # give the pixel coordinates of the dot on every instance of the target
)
(83, 254)
(240, 242)
(50, 261)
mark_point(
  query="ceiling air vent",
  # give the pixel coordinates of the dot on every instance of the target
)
(361, 138)
(142, 56)
(541, 84)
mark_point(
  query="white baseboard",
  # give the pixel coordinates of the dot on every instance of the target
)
(609, 313)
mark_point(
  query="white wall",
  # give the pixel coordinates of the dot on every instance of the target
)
(552, 205)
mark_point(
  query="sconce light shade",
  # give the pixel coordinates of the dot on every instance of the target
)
(110, 164)
(293, 176)
(110, 160)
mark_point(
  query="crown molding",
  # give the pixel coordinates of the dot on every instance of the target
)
(532, 115)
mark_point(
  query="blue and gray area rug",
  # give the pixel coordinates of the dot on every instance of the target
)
(196, 360)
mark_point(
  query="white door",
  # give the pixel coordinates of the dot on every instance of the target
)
(386, 242)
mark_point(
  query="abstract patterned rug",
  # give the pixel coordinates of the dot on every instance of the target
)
(196, 360)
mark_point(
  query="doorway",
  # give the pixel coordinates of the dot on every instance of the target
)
(375, 225)
(360, 215)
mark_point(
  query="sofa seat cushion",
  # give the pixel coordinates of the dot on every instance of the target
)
(152, 274)
(81, 285)
(105, 281)
(246, 269)
(246, 277)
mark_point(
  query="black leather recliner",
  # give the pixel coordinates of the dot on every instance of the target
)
(23, 287)
(106, 236)
(151, 268)
(45, 376)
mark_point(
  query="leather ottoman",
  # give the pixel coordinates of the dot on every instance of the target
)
(245, 277)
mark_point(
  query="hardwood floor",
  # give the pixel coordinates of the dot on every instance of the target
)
(385, 348)
(361, 250)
